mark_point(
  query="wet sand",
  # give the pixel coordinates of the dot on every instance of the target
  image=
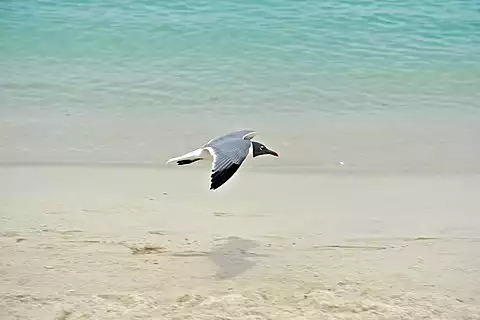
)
(154, 243)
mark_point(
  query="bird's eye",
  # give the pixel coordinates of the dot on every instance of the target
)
(262, 147)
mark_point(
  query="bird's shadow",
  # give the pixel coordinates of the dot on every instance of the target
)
(231, 257)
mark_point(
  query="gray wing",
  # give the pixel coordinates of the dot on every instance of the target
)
(228, 155)
(245, 134)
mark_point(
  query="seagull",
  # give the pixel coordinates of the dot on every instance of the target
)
(228, 153)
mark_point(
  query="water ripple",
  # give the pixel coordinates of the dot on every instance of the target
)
(308, 54)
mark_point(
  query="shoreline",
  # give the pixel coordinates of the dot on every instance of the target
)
(335, 170)
(369, 147)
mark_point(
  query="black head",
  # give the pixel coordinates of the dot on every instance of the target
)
(260, 149)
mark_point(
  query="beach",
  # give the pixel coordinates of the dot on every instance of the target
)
(153, 243)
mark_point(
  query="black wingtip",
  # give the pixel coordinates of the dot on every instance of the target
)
(220, 177)
(213, 187)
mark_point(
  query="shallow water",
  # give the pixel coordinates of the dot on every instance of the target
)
(273, 57)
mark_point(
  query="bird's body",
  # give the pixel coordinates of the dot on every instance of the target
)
(227, 153)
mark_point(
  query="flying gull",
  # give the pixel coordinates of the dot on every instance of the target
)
(228, 153)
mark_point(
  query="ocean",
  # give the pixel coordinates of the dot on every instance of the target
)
(66, 65)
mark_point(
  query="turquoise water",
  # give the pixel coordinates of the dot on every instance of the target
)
(272, 57)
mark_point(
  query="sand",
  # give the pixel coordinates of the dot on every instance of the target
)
(119, 242)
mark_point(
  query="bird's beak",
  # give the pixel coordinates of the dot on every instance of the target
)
(273, 153)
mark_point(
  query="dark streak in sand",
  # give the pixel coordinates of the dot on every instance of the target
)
(338, 246)
(147, 249)
(157, 232)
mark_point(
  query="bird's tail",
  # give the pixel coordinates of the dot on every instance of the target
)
(187, 158)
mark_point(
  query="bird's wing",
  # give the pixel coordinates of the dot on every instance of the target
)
(227, 156)
(246, 134)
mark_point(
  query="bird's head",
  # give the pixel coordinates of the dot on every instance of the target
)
(260, 149)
